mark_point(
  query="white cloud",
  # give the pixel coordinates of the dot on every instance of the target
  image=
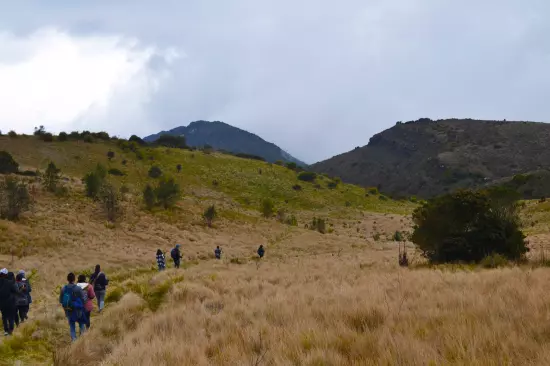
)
(67, 82)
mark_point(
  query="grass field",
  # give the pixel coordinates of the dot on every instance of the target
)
(315, 299)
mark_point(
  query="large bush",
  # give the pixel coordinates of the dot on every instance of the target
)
(94, 181)
(51, 177)
(7, 164)
(468, 226)
(14, 198)
(168, 192)
(154, 172)
(171, 141)
(307, 176)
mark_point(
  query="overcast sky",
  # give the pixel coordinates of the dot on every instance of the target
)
(316, 77)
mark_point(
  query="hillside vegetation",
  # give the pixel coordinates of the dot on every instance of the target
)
(319, 297)
(427, 158)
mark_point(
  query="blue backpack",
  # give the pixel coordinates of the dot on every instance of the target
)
(71, 301)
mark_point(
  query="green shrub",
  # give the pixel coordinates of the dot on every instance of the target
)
(39, 131)
(307, 176)
(397, 236)
(7, 164)
(88, 139)
(168, 192)
(267, 208)
(209, 215)
(117, 172)
(154, 172)
(372, 191)
(51, 177)
(137, 140)
(297, 187)
(110, 155)
(291, 166)
(332, 185)
(171, 141)
(149, 197)
(318, 224)
(110, 201)
(12, 134)
(382, 198)
(494, 260)
(114, 295)
(94, 181)
(178, 168)
(46, 137)
(14, 198)
(291, 220)
(467, 226)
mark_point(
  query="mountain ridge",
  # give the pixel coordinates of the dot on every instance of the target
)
(427, 158)
(223, 136)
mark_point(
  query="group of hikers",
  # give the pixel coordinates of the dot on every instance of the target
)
(176, 256)
(75, 297)
(15, 299)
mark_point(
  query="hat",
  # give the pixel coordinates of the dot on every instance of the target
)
(21, 272)
(4, 271)
(177, 245)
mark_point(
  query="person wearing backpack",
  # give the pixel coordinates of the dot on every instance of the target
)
(175, 253)
(8, 291)
(218, 252)
(71, 298)
(28, 286)
(21, 299)
(161, 260)
(261, 251)
(88, 295)
(100, 282)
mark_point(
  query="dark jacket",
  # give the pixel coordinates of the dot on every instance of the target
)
(175, 254)
(261, 251)
(22, 296)
(8, 292)
(99, 280)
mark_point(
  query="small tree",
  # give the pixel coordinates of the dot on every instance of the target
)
(94, 181)
(307, 176)
(168, 192)
(154, 172)
(62, 137)
(110, 200)
(149, 197)
(267, 208)
(7, 164)
(51, 177)
(38, 131)
(12, 134)
(137, 140)
(14, 198)
(291, 166)
(110, 155)
(209, 215)
(178, 168)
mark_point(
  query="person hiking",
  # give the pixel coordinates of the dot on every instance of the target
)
(29, 287)
(161, 260)
(175, 253)
(72, 300)
(21, 299)
(218, 252)
(8, 290)
(88, 295)
(100, 282)
(261, 251)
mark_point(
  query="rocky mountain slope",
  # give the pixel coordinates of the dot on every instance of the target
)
(222, 136)
(427, 158)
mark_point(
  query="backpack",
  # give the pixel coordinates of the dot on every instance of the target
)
(174, 254)
(71, 301)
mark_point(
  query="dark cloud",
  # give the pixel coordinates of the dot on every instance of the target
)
(320, 77)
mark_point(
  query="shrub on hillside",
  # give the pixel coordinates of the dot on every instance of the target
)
(178, 168)
(373, 191)
(110, 200)
(94, 181)
(209, 215)
(318, 225)
(291, 220)
(267, 208)
(468, 226)
(51, 177)
(291, 166)
(12, 134)
(332, 184)
(154, 172)
(88, 139)
(149, 197)
(7, 164)
(297, 187)
(14, 198)
(307, 176)
(279, 162)
(38, 131)
(171, 141)
(62, 137)
(110, 155)
(46, 137)
(138, 140)
(168, 193)
(117, 172)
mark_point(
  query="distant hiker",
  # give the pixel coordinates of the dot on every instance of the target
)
(29, 287)
(21, 299)
(261, 251)
(88, 295)
(8, 290)
(218, 252)
(100, 282)
(161, 260)
(72, 300)
(175, 253)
